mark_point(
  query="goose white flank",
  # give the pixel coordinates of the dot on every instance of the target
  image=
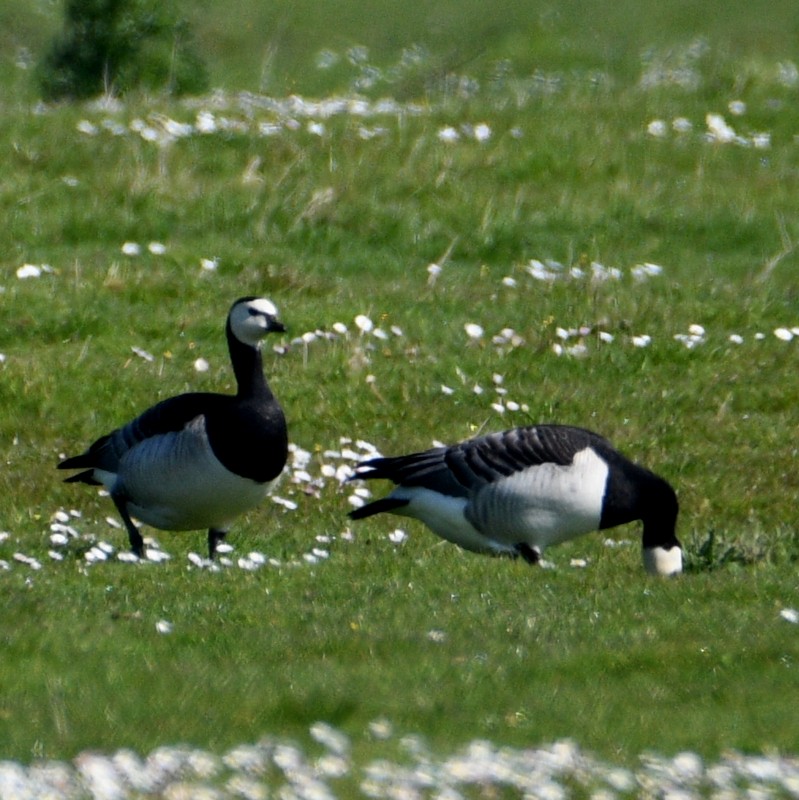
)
(517, 492)
(198, 460)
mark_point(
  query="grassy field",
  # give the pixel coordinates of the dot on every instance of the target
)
(539, 160)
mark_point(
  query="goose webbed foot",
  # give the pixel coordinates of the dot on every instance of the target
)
(136, 541)
(214, 538)
(529, 554)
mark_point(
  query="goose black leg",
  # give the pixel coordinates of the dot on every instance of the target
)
(136, 542)
(214, 538)
(529, 554)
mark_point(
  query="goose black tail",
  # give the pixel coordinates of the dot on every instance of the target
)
(83, 477)
(377, 507)
(74, 462)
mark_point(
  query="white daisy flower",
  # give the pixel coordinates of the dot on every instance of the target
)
(448, 135)
(87, 128)
(761, 141)
(433, 271)
(657, 128)
(205, 122)
(330, 737)
(363, 323)
(482, 132)
(718, 129)
(290, 505)
(29, 271)
(141, 353)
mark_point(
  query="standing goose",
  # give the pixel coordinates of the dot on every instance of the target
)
(198, 460)
(517, 492)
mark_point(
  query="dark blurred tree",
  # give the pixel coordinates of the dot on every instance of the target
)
(113, 46)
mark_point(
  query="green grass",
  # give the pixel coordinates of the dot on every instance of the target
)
(337, 225)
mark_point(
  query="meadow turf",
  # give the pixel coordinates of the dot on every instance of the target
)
(336, 215)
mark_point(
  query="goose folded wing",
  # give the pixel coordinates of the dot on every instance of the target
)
(170, 415)
(460, 469)
(487, 459)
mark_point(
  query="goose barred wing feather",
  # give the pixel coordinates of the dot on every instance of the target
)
(461, 469)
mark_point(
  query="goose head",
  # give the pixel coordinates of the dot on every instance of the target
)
(252, 318)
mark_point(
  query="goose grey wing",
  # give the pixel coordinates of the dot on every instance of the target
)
(486, 459)
(170, 415)
(464, 468)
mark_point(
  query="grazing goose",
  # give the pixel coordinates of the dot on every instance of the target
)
(200, 459)
(517, 492)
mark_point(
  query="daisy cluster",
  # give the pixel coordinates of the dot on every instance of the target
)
(277, 768)
(269, 117)
(243, 114)
(567, 340)
(551, 271)
(574, 340)
(717, 129)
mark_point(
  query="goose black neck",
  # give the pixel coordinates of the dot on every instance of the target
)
(247, 367)
(660, 519)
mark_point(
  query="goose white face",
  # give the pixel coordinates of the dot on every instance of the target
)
(251, 320)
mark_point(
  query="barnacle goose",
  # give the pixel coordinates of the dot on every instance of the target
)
(519, 491)
(198, 460)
